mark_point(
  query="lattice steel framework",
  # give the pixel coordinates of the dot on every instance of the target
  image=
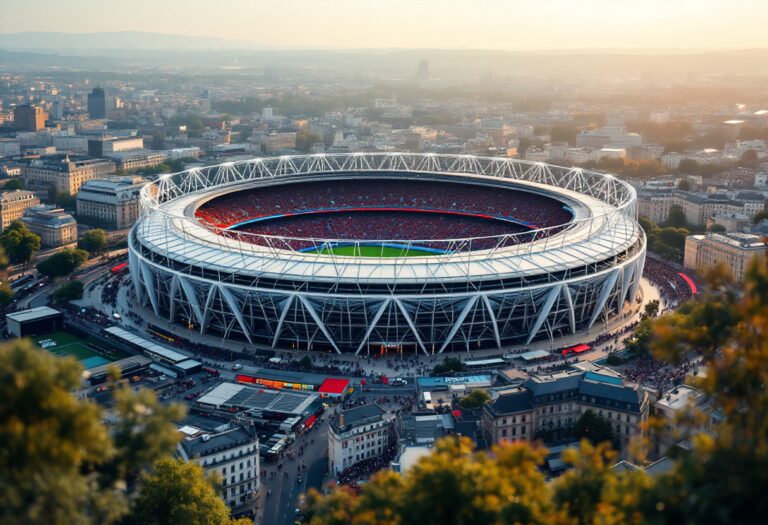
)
(541, 284)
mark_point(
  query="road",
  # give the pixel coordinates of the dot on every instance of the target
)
(280, 507)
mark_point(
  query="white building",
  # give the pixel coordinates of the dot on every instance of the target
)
(71, 143)
(10, 147)
(228, 451)
(110, 203)
(673, 405)
(735, 250)
(357, 434)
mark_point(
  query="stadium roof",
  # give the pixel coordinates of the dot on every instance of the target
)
(603, 224)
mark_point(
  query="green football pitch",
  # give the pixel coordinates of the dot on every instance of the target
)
(68, 344)
(375, 251)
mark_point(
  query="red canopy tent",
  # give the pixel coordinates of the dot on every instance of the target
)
(333, 387)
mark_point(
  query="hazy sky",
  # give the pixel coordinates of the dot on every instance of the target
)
(484, 24)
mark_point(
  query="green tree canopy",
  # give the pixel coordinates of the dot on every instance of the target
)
(684, 185)
(94, 241)
(760, 216)
(178, 492)
(68, 292)
(62, 263)
(676, 217)
(652, 308)
(50, 442)
(593, 428)
(13, 184)
(475, 399)
(19, 243)
(6, 294)
(60, 464)
(449, 364)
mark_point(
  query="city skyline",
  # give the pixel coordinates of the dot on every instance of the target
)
(554, 25)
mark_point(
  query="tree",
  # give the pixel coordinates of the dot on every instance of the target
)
(305, 138)
(178, 492)
(749, 159)
(59, 462)
(50, 442)
(717, 228)
(676, 217)
(688, 166)
(475, 399)
(449, 364)
(19, 243)
(684, 185)
(761, 216)
(68, 292)
(94, 241)
(13, 184)
(652, 308)
(62, 263)
(593, 428)
(158, 141)
(6, 294)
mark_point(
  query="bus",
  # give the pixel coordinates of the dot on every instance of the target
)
(427, 400)
(119, 268)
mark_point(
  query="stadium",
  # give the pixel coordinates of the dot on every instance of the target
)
(367, 253)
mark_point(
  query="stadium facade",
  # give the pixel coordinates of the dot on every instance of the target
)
(470, 293)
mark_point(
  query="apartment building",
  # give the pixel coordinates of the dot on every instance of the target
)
(357, 434)
(548, 407)
(13, 204)
(64, 173)
(111, 203)
(734, 250)
(227, 450)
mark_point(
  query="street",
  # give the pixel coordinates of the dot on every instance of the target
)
(280, 507)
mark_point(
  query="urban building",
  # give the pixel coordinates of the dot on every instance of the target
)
(70, 143)
(29, 118)
(13, 204)
(734, 250)
(277, 141)
(103, 146)
(111, 203)
(227, 450)
(10, 147)
(357, 434)
(136, 159)
(97, 104)
(54, 226)
(698, 207)
(669, 408)
(548, 407)
(64, 173)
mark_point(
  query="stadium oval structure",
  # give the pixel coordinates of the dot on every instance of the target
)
(429, 295)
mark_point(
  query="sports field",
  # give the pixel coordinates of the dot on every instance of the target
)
(66, 344)
(376, 251)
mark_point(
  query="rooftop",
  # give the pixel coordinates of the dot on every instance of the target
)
(358, 416)
(205, 444)
(41, 312)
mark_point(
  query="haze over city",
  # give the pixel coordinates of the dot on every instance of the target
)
(383, 262)
(436, 24)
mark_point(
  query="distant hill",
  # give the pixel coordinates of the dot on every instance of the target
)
(136, 40)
